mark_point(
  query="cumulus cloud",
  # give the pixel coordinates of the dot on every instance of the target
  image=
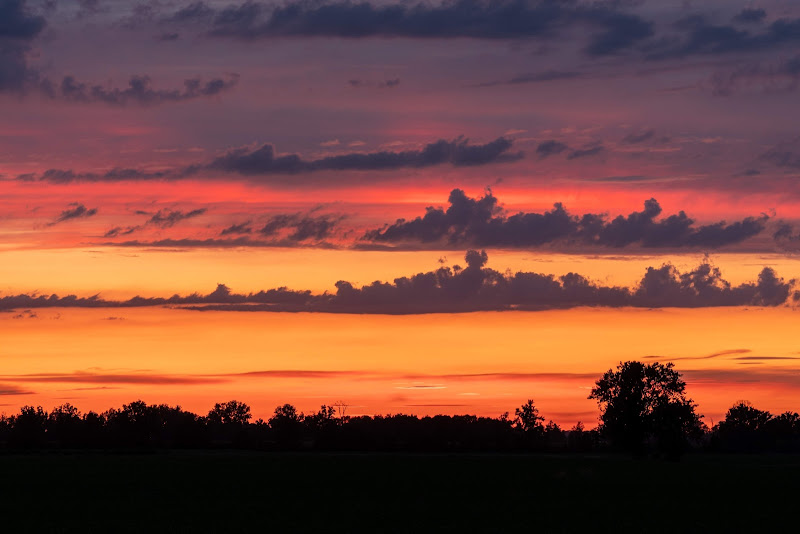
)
(481, 222)
(471, 288)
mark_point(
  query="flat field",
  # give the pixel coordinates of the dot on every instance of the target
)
(274, 492)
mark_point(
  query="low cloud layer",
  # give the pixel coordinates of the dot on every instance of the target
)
(480, 222)
(259, 161)
(471, 288)
(139, 91)
(262, 160)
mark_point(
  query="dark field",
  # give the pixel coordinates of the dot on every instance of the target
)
(256, 492)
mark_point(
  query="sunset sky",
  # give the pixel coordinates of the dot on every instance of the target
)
(419, 207)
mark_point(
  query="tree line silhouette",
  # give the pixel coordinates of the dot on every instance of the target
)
(643, 409)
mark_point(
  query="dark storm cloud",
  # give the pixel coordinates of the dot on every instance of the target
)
(471, 288)
(75, 211)
(550, 148)
(611, 30)
(481, 222)
(139, 91)
(262, 160)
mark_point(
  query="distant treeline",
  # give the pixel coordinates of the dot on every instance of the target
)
(643, 409)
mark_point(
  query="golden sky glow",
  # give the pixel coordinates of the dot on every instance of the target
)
(484, 363)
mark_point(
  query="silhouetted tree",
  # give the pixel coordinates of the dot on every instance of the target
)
(29, 428)
(528, 421)
(641, 402)
(287, 426)
(528, 418)
(65, 426)
(744, 428)
(230, 413)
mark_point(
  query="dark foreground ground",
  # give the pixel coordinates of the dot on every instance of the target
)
(252, 492)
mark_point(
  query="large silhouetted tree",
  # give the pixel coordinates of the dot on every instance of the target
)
(641, 402)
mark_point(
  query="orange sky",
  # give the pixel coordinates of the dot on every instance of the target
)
(483, 363)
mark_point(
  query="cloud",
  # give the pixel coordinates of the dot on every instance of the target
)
(91, 377)
(699, 36)
(163, 218)
(167, 218)
(550, 148)
(262, 159)
(480, 222)
(238, 242)
(302, 227)
(117, 174)
(138, 91)
(706, 357)
(18, 28)
(8, 389)
(750, 15)
(386, 84)
(610, 29)
(639, 137)
(471, 288)
(75, 211)
(536, 77)
(240, 228)
(118, 231)
(586, 152)
(763, 77)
